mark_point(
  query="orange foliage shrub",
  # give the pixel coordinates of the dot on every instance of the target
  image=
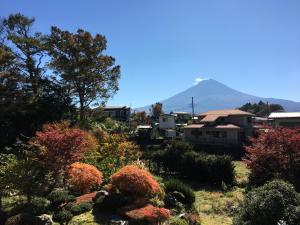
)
(84, 176)
(134, 181)
(149, 213)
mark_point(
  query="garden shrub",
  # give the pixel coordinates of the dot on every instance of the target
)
(275, 203)
(77, 209)
(37, 206)
(60, 197)
(179, 157)
(274, 154)
(62, 216)
(177, 186)
(83, 177)
(177, 221)
(149, 214)
(131, 180)
(112, 202)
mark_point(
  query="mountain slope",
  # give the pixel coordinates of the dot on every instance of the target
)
(211, 95)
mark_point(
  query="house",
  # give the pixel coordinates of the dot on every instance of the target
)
(167, 121)
(167, 125)
(285, 119)
(120, 113)
(220, 127)
(182, 117)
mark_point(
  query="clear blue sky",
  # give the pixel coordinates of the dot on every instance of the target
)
(164, 45)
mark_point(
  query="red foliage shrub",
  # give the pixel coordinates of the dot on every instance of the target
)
(60, 145)
(83, 177)
(149, 213)
(86, 198)
(275, 153)
(134, 181)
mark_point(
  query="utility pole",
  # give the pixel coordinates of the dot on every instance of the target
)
(193, 113)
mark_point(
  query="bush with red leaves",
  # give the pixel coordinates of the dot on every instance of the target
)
(131, 180)
(275, 153)
(83, 177)
(61, 146)
(148, 213)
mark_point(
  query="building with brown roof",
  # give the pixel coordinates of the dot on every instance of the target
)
(220, 127)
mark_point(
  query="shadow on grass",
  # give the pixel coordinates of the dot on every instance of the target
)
(104, 218)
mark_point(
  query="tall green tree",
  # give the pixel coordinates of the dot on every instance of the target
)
(29, 98)
(28, 49)
(89, 75)
(156, 110)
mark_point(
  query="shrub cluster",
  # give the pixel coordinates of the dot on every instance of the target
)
(133, 181)
(172, 186)
(148, 214)
(208, 168)
(83, 177)
(275, 203)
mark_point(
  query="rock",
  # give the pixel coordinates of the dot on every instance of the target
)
(119, 222)
(44, 219)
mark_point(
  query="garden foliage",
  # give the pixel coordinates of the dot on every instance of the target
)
(131, 180)
(275, 153)
(275, 203)
(83, 177)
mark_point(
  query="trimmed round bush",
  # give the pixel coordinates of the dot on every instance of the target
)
(63, 216)
(131, 180)
(174, 185)
(275, 203)
(58, 198)
(83, 177)
(78, 209)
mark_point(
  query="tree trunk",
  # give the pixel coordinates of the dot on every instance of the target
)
(82, 112)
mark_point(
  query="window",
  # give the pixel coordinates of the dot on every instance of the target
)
(217, 134)
(249, 119)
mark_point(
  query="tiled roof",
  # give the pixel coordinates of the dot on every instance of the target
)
(226, 112)
(198, 126)
(210, 118)
(275, 115)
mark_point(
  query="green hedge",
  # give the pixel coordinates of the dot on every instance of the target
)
(180, 157)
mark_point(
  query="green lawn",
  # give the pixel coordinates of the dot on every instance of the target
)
(216, 207)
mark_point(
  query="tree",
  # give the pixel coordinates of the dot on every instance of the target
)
(88, 74)
(114, 152)
(141, 117)
(275, 203)
(29, 49)
(275, 153)
(59, 146)
(261, 108)
(83, 177)
(156, 110)
(28, 98)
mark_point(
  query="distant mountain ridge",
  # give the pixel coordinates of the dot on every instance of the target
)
(212, 95)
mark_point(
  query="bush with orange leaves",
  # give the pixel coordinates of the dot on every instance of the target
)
(83, 177)
(149, 214)
(134, 181)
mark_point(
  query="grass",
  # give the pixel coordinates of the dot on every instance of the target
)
(216, 207)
